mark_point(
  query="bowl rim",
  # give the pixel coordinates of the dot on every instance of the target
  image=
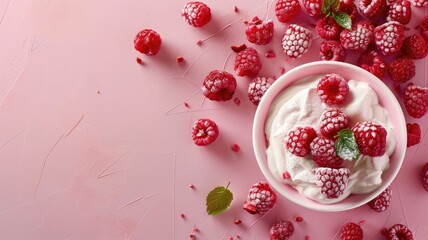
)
(259, 122)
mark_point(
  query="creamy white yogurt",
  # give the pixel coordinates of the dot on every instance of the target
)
(299, 105)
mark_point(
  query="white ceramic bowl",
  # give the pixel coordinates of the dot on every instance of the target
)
(348, 71)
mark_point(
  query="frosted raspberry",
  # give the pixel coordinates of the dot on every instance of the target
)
(373, 62)
(370, 138)
(147, 42)
(261, 198)
(324, 153)
(298, 140)
(348, 6)
(258, 87)
(332, 89)
(332, 50)
(416, 100)
(332, 182)
(413, 134)
(400, 11)
(219, 86)
(286, 10)
(419, 3)
(382, 201)
(296, 41)
(424, 177)
(259, 32)
(389, 37)
(401, 69)
(423, 27)
(372, 8)
(358, 39)
(332, 121)
(313, 7)
(399, 232)
(204, 132)
(196, 14)
(327, 28)
(415, 47)
(281, 230)
(351, 231)
(247, 62)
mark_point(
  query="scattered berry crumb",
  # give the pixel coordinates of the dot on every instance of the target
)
(180, 59)
(237, 101)
(191, 186)
(239, 48)
(235, 9)
(282, 70)
(199, 42)
(298, 218)
(286, 175)
(235, 147)
(186, 104)
(98, 92)
(182, 216)
(270, 54)
(139, 61)
(192, 235)
(362, 222)
(238, 221)
(307, 237)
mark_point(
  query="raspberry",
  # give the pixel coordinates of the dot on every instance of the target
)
(399, 232)
(401, 69)
(372, 8)
(413, 134)
(219, 86)
(332, 181)
(296, 41)
(373, 62)
(298, 140)
(258, 87)
(358, 39)
(328, 28)
(332, 121)
(196, 14)
(348, 6)
(423, 27)
(281, 230)
(313, 7)
(424, 177)
(400, 11)
(416, 100)
(286, 10)
(147, 42)
(324, 153)
(332, 89)
(204, 132)
(419, 3)
(261, 198)
(259, 32)
(247, 62)
(389, 37)
(381, 202)
(370, 138)
(351, 231)
(331, 50)
(415, 47)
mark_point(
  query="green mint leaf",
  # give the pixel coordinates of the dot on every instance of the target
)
(218, 200)
(325, 7)
(343, 19)
(335, 4)
(346, 146)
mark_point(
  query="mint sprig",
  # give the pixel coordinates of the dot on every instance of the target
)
(346, 146)
(219, 200)
(330, 8)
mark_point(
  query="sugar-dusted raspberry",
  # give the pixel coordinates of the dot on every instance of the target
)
(286, 10)
(332, 89)
(400, 11)
(332, 121)
(399, 232)
(247, 62)
(357, 39)
(381, 202)
(261, 198)
(415, 47)
(259, 32)
(313, 7)
(332, 182)
(401, 69)
(258, 87)
(389, 37)
(373, 62)
(298, 140)
(196, 14)
(351, 231)
(324, 153)
(349, 7)
(370, 138)
(281, 230)
(204, 132)
(419, 3)
(332, 50)
(328, 28)
(147, 42)
(413, 134)
(296, 41)
(372, 8)
(423, 27)
(416, 100)
(219, 86)
(424, 176)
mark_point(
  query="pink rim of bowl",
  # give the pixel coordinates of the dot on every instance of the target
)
(348, 71)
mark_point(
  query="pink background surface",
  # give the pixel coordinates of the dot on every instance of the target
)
(95, 146)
